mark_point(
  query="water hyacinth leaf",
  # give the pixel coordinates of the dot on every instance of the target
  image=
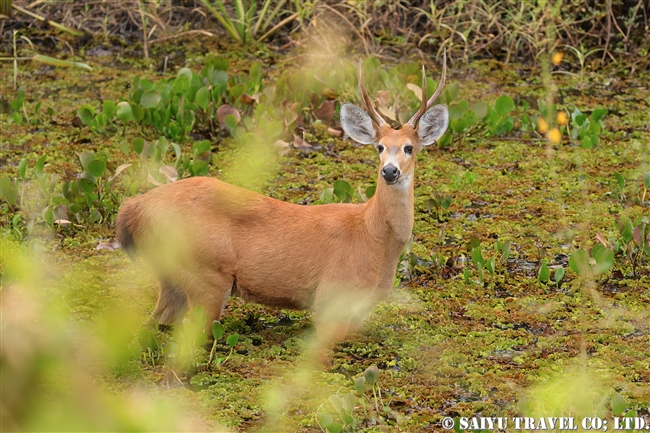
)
(480, 108)
(86, 113)
(456, 111)
(490, 265)
(150, 99)
(360, 384)
(559, 274)
(202, 98)
(579, 262)
(544, 272)
(504, 105)
(232, 340)
(598, 114)
(477, 256)
(371, 375)
(124, 111)
(621, 180)
(343, 190)
(336, 402)
(96, 167)
(85, 158)
(217, 330)
(325, 419)
(22, 168)
(138, 145)
(604, 260)
(646, 180)
(231, 121)
(334, 427)
(109, 109)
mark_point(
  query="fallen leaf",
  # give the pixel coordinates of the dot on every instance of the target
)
(334, 132)
(151, 179)
(225, 110)
(330, 93)
(301, 144)
(282, 147)
(247, 99)
(325, 113)
(169, 172)
(415, 89)
(62, 222)
(387, 112)
(384, 97)
(110, 245)
(600, 238)
(119, 170)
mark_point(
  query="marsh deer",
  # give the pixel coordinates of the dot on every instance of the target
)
(207, 239)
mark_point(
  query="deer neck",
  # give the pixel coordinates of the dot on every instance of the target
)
(389, 213)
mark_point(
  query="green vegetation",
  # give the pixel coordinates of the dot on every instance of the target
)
(524, 290)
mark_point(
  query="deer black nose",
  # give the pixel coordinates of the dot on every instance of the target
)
(390, 173)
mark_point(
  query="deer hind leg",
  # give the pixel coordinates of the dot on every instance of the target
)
(172, 304)
(210, 291)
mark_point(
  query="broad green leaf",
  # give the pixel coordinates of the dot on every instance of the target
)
(621, 180)
(504, 105)
(579, 262)
(109, 109)
(138, 145)
(232, 340)
(604, 260)
(480, 108)
(185, 72)
(646, 180)
(559, 274)
(599, 113)
(336, 402)
(456, 111)
(325, 419)
(231, 121)
(202, 98)
(343, 190)
(217, 330)
(360, 384)
(451, 92)
(124, 111)
(85, 158)
(334, 428)
(477, 256)
(618, 404)
(48, 215)
(371, 375)
(150, 99)
(96, 167)
(22, 168)
(86, 113)
(544, 272)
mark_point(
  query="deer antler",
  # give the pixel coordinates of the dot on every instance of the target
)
(376, 117)
(427, 104)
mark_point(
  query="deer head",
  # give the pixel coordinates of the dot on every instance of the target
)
(397, 147)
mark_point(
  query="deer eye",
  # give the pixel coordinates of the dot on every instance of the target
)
(408, 149)
(380, 148)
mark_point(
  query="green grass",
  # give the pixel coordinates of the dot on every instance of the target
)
(443, 347)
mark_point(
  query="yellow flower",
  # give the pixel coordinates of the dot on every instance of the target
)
(554, 136)
(542, 126)
(556, 58)
(562, 118)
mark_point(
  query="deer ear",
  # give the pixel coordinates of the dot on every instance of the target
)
(357, 124)
(433, 124)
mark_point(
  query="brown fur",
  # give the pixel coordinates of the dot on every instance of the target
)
(206, 240)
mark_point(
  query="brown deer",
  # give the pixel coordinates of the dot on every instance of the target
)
(207, 240)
